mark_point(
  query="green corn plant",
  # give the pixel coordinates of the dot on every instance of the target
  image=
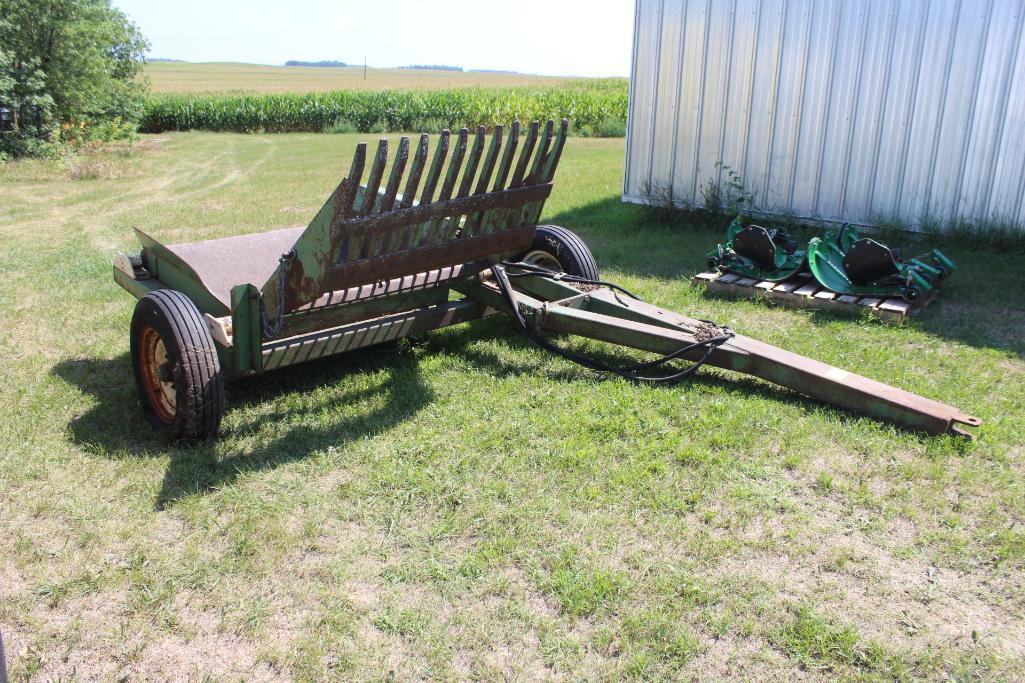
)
(585, 103)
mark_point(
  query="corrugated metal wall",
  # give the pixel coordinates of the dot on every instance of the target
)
(855, 110)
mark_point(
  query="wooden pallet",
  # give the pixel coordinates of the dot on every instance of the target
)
(803, 290)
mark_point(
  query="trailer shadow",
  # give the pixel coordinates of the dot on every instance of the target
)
(114, 427)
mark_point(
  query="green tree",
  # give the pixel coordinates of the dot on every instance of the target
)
(65, 62)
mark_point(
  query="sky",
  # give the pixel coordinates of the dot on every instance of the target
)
(556, 37)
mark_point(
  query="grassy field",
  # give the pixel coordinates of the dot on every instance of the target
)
(181, 77)
(466, 506)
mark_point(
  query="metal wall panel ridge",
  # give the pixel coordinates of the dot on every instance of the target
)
(866, 111)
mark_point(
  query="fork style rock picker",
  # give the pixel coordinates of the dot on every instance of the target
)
(377, 264)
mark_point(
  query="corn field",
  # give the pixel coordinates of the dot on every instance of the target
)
(586, 103)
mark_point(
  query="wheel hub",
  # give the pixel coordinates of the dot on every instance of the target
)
(158, 374)
(542, 258)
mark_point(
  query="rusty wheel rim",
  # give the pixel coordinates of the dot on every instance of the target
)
(157, 374)
(540, 257)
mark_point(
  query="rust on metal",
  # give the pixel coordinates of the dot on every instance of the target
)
(388, 200)
(366, 233)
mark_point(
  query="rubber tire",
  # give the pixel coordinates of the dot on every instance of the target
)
(567, 248)
(199, 395)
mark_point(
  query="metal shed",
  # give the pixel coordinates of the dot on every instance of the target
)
(843, 110)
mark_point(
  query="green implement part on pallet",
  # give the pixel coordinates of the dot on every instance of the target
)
(461, 241)
(848, 263)
(765, 254)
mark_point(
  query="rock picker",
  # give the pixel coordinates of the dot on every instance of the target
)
(381, 260)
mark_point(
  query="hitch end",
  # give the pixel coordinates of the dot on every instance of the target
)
(962, 419)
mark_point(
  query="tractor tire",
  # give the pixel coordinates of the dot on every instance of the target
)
(562, 250)
(177, 372)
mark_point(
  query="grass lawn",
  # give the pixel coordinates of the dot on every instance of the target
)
(181, 77)
(466, 506)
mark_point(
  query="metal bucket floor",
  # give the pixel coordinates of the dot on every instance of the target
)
(242, 259)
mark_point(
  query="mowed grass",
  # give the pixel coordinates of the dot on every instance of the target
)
(467, 507)
(182, 77)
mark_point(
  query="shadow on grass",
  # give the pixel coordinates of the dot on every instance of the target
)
(627, 238)
(115, 428)
(464, 342)
(114, 425)
(980, 305)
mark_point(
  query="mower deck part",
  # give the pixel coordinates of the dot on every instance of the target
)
(765, 254)
(847, 263)
(383, 258)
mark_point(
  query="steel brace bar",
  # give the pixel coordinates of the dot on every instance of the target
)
(606, 316)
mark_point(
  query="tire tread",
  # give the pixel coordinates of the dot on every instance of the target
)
(581, 262)
(201, 411)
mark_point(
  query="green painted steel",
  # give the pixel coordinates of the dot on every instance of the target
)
(325, 317)
(757, 252)
(245, 326)
(605, 316)
(173, 273)
(835, 258)
(284, 352)
(137, 288)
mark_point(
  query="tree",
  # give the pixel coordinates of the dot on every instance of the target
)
(66, 61)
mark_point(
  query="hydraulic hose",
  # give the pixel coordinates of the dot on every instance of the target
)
(630, 371)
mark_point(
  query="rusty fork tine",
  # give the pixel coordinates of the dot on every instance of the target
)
(552, 161)
(542, 152)
(489, 218)
(471, 163)
(420, 232)
(449, 185)
(454, 166)
(397, 169)
(474, 222)
(528, 149)
(374, 181)
(350, 186)
(489, 162)
(415, 171)
(440, 152)
(507, 157)
(545, 161)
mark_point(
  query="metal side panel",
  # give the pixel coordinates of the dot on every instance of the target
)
(175, 274)
(284, 352)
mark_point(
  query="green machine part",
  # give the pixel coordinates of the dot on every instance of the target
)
(765, 254)
(847, 263)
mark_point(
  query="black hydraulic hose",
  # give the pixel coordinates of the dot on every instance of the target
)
(627, 371)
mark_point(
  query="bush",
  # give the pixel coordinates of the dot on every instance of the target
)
(610, 128)
(81, 75)
(341, 126)
(429, 126)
